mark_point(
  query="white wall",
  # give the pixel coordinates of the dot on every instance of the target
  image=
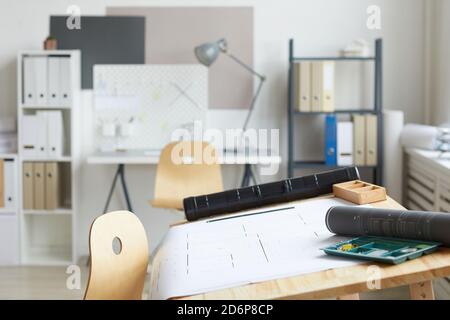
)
(438, 54)
(319, 27)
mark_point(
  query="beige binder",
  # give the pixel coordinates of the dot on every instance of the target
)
(327, 86)
(304, 86)
(39, 185)
(51, 186)
(316, 85)
(371, 140)
(28, 186)
(2, 184)
(359, 139)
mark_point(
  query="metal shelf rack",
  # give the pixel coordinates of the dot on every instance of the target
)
(294, 164)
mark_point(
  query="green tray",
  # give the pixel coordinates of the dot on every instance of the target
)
(380, 249)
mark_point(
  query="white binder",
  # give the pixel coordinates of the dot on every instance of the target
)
(41, 134)
(55, 134)
(322, 91)
(29, 89)
(40, 78)
(29, 137)
(328, 86)
(65, 81)
(344, 143)
(9, 183)
(53, 80)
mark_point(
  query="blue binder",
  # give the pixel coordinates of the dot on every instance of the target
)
(330, 140)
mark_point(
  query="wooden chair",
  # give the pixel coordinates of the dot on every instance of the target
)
(176, 181)
(117, 274)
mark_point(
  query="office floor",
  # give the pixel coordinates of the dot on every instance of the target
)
(50, 283)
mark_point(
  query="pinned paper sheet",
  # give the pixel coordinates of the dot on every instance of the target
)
(157, 99)
(129, 104)
(251, 246)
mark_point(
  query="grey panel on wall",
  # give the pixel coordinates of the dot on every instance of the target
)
(102, 40)
(173, 32)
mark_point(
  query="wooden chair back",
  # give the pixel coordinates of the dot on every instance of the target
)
(186, 168)
(117, 274)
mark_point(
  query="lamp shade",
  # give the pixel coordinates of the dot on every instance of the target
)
(207, 53)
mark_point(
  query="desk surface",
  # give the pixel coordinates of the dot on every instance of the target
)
(142, 157)
(341, 281)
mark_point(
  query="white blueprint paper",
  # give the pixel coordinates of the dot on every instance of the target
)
(227, 251)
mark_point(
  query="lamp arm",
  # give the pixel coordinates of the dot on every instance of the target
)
(252, 105)
(246, 66)
(261, 77)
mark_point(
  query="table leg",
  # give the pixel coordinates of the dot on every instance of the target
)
(125, 188)
(252, 174)
(111, 190)
(120, 173)
(353, 296)
(422, 290)
(248, 176)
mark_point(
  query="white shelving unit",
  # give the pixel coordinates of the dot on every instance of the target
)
(47, 237)
(10, 221)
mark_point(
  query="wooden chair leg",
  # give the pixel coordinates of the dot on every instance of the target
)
(353, 296)
(422, 291)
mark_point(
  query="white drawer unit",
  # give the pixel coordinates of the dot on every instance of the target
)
(9, 239)
(9, 215)
(426, 180)
(444, 194)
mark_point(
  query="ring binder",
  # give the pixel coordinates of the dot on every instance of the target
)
(264, 194)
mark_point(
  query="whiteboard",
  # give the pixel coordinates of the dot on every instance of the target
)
(154, 99)
(249, 247)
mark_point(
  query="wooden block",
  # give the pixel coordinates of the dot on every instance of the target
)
(422, 291)
(359, 192)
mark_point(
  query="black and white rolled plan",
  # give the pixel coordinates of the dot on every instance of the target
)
(405, 224)
(264, 194)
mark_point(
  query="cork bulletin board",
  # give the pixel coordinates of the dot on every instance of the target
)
(171, 33)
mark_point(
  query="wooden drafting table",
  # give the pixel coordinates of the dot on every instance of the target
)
(347, 282)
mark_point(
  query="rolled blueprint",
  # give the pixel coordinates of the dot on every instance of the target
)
(393, 153)
(419, 136)
(405, 224)
(264, 194)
